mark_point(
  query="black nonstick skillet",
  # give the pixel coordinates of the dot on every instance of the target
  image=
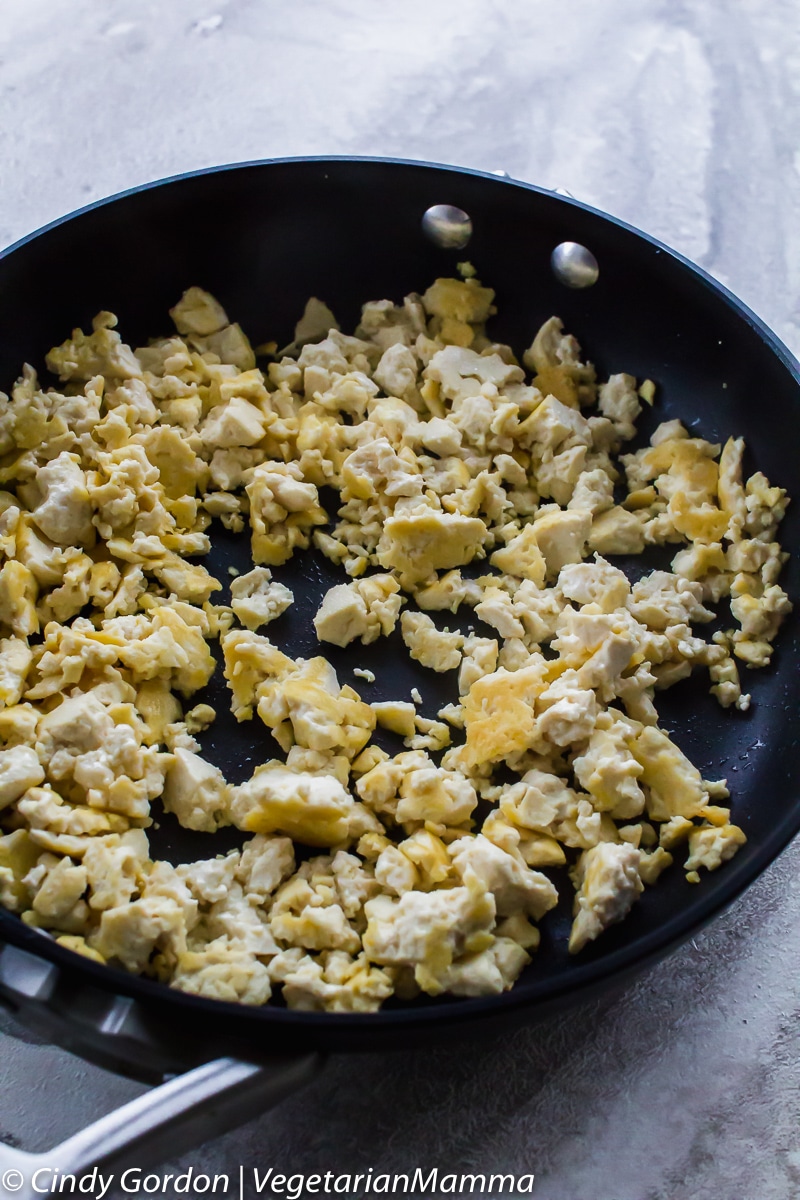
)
(263, 237)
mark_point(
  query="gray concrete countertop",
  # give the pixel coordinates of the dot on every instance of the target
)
(680, 118)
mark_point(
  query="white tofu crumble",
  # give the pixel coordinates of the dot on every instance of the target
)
(463, 479)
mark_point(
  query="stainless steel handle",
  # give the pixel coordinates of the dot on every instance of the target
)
(164, 1122)
(118, 1032)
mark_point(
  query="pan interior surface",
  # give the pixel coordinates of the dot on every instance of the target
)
(265, 237)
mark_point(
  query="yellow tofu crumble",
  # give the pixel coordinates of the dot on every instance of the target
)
(464, 478)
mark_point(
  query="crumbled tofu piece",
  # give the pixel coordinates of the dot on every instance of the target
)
(619, 402)
(78, 945)
(102, 353)
(651, 865)
(60, 892)
(337, 982)
(396, 872)
(609, 771)
(675, 788)
(448, 592)
(220, 972)
(15, 661)
(283, 511)
(522, 556)
(499, 711)
(313, 809)
(660, 599)
(424, 541)
(235, 423)
(198, 312)
(595, 583)
(131, 932)
(427, 930)
(608, 884)
(567, 711)
(430, 735)
(398, 716)
(467, 301)
(342, 616)
(64, 514)
(264, 863)
(18, 855)
(434, 794)
(20, 769)
(364, 609)
(480, 657)
(712, 845)
(497, 609)
(196, 792)
(493, 970)
(515, 887)
(200, 717)
(434, 648)
(674, 831)
(562, 537)
(545, 805)
(257, 598)
(113, 867)
(210, 880)
(617, 531)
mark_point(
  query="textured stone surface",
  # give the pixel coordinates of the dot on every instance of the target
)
(681, 119)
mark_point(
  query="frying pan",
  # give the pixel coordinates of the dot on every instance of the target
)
(263, 237)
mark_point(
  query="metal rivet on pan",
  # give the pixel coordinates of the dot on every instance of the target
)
(447, 226)
(574, 265)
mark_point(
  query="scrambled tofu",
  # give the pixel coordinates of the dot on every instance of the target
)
(609, 881)
(313, 809)
(257, 598)
(365, 609)
(362, 874)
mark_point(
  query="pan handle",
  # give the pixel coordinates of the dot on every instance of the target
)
(163, 1123)
(115, 1032)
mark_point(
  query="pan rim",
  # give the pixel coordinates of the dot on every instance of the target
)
(584, 976)
(791, 361)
